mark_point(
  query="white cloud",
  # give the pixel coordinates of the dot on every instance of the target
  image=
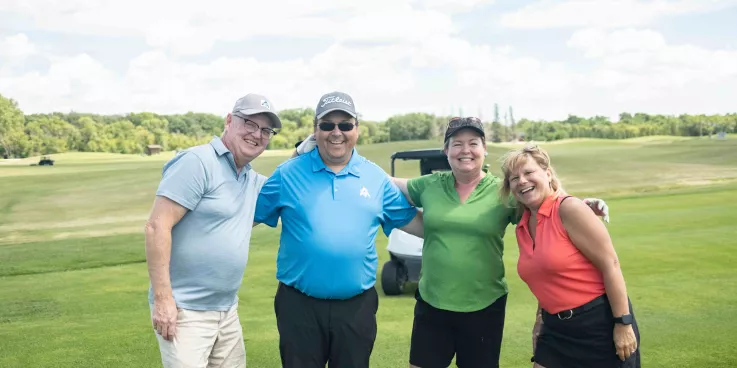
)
(604, 13)
(638, 68)
(15, 48)
(597, 42)
(378, 77)
(646, 54)
(191, 28)
(450, 6)
(70, 83)
(377, 55)
(156, 82)
(486, 74)
(401, 24)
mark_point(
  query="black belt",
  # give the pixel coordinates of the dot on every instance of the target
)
(569, 313)
(294, 289)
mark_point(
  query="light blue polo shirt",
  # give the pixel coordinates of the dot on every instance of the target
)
(210, 244)
(329, 222)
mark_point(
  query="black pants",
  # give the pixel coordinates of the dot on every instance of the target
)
(314, 332)
(475, 338)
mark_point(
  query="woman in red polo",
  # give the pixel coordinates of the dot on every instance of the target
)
(567, 259)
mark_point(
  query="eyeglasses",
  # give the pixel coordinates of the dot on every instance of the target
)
(328, 127)
(252, 127)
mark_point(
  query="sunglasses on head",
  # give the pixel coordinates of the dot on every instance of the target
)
(459, 121)
(329, 127)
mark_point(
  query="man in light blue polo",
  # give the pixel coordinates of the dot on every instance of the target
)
(331, 202)
(197, 240)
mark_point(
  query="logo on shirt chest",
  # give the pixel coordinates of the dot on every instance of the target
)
(364, 193)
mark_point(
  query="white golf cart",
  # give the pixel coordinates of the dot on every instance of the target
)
(405, 250)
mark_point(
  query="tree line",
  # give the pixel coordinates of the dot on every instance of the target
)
(24, 135)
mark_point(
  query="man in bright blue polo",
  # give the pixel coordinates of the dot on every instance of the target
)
(197, 240)
(331, 202)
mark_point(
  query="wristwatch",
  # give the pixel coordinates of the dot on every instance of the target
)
(625, 319)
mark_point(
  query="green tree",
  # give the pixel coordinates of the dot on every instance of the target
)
(33, 134)
(12, 135)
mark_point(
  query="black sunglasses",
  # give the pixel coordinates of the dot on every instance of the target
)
(328, 127)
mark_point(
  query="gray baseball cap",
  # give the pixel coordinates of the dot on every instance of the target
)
(335, 101)
(252, 104)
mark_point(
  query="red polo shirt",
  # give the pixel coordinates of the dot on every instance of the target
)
(557, 273)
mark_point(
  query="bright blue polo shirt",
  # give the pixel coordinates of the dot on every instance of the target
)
(329, 222)
(209, 245)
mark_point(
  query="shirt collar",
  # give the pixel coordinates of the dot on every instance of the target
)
(351, 168)
(219, 147)
(545, 210)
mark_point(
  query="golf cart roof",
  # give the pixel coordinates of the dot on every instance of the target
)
(419, 154)
(430, 159)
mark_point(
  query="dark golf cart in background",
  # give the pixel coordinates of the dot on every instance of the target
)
(405, 250)
(45, 161)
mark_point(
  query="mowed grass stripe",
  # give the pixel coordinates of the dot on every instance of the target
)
(71, 254)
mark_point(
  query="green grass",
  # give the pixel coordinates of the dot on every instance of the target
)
(73, 277)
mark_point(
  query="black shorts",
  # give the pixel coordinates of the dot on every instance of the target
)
(313, 332)
(475, 338)
(586, 339)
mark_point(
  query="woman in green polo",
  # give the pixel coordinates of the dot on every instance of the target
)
(462, 294)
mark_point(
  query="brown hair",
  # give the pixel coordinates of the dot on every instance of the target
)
(514, 158)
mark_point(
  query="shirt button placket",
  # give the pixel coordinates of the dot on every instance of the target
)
(335, 187)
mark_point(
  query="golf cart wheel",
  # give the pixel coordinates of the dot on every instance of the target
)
(393, 278)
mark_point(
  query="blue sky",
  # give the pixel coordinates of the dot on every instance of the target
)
(546, 59)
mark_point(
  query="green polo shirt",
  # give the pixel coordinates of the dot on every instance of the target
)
(462, 265)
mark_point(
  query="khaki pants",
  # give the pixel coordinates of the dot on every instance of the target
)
(205, 339)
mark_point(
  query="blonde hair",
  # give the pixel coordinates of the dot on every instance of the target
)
(512, 159)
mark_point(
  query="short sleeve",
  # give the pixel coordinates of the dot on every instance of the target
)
(268, 206)
(416, 186)
(184, 180)
(260, 181)
(397, 211)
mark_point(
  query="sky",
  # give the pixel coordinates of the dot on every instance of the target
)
(545, 59)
